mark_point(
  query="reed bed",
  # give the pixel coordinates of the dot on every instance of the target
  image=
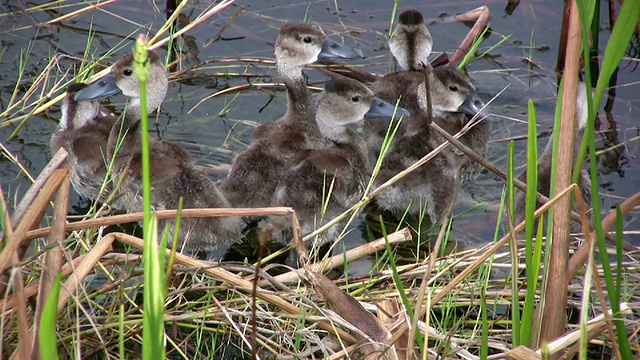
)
(70, 290)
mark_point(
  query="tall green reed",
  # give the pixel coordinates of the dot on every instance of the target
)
(153, 256)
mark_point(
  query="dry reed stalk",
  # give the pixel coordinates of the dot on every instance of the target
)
(217, 8)
(32, 216)
(483, 16)
(370, 332)
(9, 303)
(419, 301)
(27, 199)
(554, 305)
(52, 262)
(596, 325)
(162, 215)
(239, 284)
(479, 261)
(22, 351)
(580, 256)
(82, 270)
(388, 311)
(79, 12)
(395, 238)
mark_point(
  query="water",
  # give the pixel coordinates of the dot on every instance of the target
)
(221, 126)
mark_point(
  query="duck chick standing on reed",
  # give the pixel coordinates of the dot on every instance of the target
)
(172, 173)
(84, 131)
(256, 171)
(322, 183)
(546, 158)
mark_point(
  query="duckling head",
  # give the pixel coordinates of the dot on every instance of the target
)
(453, 91)
(76, 114)
(346, 101)
(298, 45)
(411, 42)
(122, 80)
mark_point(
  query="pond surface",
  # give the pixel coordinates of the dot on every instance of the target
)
(219, 127)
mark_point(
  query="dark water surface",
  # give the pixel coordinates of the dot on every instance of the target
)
(534, 27)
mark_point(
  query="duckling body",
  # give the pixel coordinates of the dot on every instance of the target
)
(545, 159)
(172, 173)
(322, 183)
(84, 131)
(256, 172)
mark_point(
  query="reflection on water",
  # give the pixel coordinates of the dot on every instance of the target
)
(219, 127)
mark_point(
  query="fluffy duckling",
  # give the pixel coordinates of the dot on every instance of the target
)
(255, 172)
(545, 159)
(411, 42)
(83, 131)
(338, 172)
(172, 172)
(410, 45)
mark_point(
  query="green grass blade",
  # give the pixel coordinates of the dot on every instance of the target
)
(400, 287)
(515, 300)
(530, 208)
(47, 332)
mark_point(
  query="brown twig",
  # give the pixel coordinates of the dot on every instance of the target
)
(52, 258)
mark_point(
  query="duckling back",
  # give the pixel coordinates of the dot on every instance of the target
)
(83, 131)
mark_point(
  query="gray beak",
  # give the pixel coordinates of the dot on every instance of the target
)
(472, 105)
(105, 86)
(381, 108)
(337, 51)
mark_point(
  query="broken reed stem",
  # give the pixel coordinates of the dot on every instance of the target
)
(163, 215)
(239, 284)
(33, 215)
(70, 287)
(554, 305)
(52, 258)
(484, 15)
(395, 238)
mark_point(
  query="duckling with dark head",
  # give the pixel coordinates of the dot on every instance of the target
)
(255, 172)
(172, 173)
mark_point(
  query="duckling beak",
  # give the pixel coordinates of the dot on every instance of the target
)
(105, 86)
(337, 51)
(381, 108)
(472, 105)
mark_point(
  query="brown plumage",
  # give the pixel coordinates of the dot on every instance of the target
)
(172, 173)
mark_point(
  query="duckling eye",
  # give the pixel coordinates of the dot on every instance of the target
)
(356, 98)
(127, 72)
(308, 39)
(453, 88)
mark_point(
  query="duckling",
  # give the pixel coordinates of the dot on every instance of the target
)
(411, 42)
(83, 131)
(545, 159)
(338, 172)
(255, 172)
(410, 45)
(172, 173)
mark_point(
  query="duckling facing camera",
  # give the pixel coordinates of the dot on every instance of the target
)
(256, 172)
(172, 173)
